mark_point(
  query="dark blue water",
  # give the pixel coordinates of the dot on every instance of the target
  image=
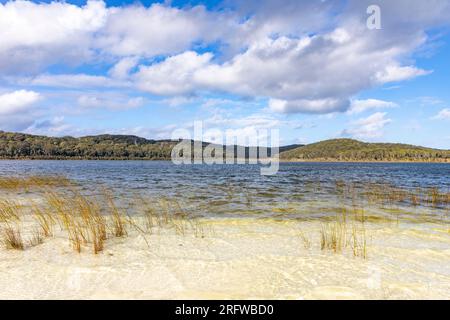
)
(157, 174)
(234, 188)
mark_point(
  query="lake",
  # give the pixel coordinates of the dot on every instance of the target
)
(298, 190)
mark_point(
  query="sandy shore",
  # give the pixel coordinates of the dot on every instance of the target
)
(242, 258)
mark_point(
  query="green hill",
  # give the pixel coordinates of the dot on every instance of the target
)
(26, 146)
(353, 150)
(105, 146)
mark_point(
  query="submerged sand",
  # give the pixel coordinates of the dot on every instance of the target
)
(236, 259)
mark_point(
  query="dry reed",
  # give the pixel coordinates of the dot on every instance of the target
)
(36, 238)
(26, 183)
(12, 238)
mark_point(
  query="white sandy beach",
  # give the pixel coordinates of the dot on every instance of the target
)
(238, 259)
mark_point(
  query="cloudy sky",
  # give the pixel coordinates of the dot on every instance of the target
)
(312, 69)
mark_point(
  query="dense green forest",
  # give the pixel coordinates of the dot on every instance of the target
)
(18, 145)
(25, 146)
(353, 150)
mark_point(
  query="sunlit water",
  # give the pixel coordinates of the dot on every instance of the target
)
(298, 190)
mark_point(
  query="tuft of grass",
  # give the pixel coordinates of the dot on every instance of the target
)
(359, 243)
(198, 227)
(9, 211)
(80, 218)
(149, 217)
(91, 219)
(118, 220)
(333, 237)
(169, 213)
(119, 229)
(45, 220)
(305, 239)
(12, 238)
(37, 238)
(76, 239)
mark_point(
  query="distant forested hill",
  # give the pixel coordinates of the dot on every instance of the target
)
(26, 146)
(353, 150)
(18, 145)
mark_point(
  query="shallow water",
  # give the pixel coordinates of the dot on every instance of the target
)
(241, 259)
(299, 190)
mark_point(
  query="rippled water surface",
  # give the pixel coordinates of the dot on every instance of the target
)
(297, 189)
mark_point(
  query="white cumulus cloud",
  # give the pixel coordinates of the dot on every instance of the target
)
(314, 74)
(35, 35)
(173, 76)
(158, 29)
(301, 56)
(17, 101)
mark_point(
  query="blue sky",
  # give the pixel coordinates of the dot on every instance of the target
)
(313, 70)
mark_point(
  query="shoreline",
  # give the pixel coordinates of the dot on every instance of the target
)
(223, 265)
(356, 161)
(259, 160)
